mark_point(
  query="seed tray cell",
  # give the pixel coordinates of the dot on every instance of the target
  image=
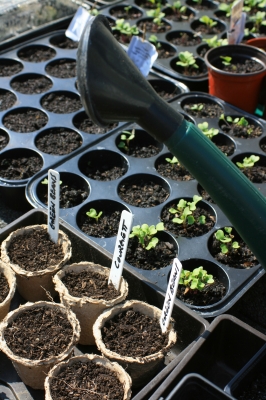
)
(189, 325)
(236, 281)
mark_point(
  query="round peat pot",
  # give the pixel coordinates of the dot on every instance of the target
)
(8, 275)
(241, 90)
(40, 351)
(98, 368)
(212, 294)
(87, 307)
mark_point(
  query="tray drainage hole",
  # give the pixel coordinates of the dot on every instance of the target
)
(19, 164)
(9, 67)
(108, 213)
(252, 165)
(25, 120)
(36, 53)
(63, 68)
(63, 42)
(82, 122)
(7, 99)
(169, 167)
(31, 84)
(58, 141)
(137, 143)
(4, 139)
(61, 102)
(201, 107)
(228, 253)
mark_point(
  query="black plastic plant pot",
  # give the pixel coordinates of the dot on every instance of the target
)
(189, 325)
(226, 348)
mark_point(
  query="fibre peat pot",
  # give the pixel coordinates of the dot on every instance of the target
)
(241, 90)
(139, 368)
(9, 275)
(116, 369)
(34, 285)
(33, 371)
(87, 309)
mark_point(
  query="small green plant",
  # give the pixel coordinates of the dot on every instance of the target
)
(179, 9)
(226, 60)
(195, 280)
(184, 212)
(127, 9)
(154, 40)
(124, 27)
(197, 107)
(210, 23)
(215, 42)
(209, 132)
(248, 162)
(237, 122)
(126, 137)
(145, 234)
(258, 19)
(187, 60)
(198, 2)
(173, 160)
(227, 8)
(45, 182)
(226, 238)
(157, 15)
(93, 214)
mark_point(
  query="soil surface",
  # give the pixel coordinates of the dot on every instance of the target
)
(244, 67)
(122, 38)
(205, 195)
(35, 251)
(204, 110)
(64, 68)
(143, 193)
(36, 53)
(4, 287)
(7, 99)
(3, 140)
(227, 148)
(150, 26)
(186, 230)
(159, 257)
(61, 103)
(175, 15)
(166, 93)
(149, 4)
(59, 141)
(256, 390)
(256, 174)
(120, 12)
(89, 381)
(10, 67)
(85, 124)
(89, 284)
(211, 294)
(190, 71)
(203, 29)
(184, 39)
(71, 194)
(107, 171)
(63, 42)
(41, 333)
(142, 146)
(205, 5)
(31, 85)
(28, 120)
(241, 258)
(18, 168)
(107, 225)
(173, 171)
(164, 53)
(133, 334)
(241, 131)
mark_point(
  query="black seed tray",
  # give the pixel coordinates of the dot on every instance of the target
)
(25, 143)
(104, 195)
(189, 325)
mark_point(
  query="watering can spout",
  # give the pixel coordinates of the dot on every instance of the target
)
(112, 89)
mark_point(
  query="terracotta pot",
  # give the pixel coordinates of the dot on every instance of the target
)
(11, 279)
(34, 285)
(259, 42)
(87, 309)
(241, 90)
(33, 372)
(121, 374)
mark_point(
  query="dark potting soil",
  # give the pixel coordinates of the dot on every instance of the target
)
(256, 174)
(163, 53)
(107, 171)
(31, 85)
(177, 16)
(256, 390)
(3, 140)
(205, 195)
(241, 258)
(143, 193)
(174, 171)
(244, 67)
(190, 71)
(204, 110)
(61, 103)
(71, 194)
(211, 294)
(20, 167)
(63, 68)
(203, 29)
(86, 381)
(151, 27)
(242, 132)
(107, 225)
(150, 5)
(41, 333)
(122, 38)
(89, 284)
(35, 251)
(25, 121)
(185, 40)
(4, 287)
(7, 100)
(10, 67)
(36, 54)
(132, 13)
(141, 147)
(85, 124)
(200, 5)
(63, 42)
(59, 141)
(226, 148)
(159, 257)
(133, 334)
(186, 230)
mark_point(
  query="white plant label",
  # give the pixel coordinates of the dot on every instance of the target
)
(170, 295)
(78, 23)
(237, 23)
(142, 53)
(53, 204)
(120, 249)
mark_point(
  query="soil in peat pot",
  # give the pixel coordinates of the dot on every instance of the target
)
(186, 40)
(142, 146)
(176, 172)
(31, 85)
(86, 381)
(20, 168)
(203, 110)
(30, 251)
(41, 333)
(71, 194)
(242, 67)
(133, 334)
(143, 193)
(26, 121)
(106, 226)
(226, 147)
(203, 29)
(176, 15)
(7, 99)
(256, 390)
(210, 294)
(159, 257)
(85, 124)
(58, 141)
(90, 284)
(4, 287)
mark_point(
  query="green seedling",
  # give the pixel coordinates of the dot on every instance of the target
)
(209, 132)
(173, 160)
(215, 42)
(195, 280)
(179, 9)
(226, 238)
(187, 60)
(45, 182)
(124, 27)
(127, 9)
(227, 8)
(258, 20)
(184, 212)
(197, 107)
(198, 2)
(226, 60)
(237, 122)
(93, 214)
(248, 162)
(157, 15)
(145, 234)
(154, 40)
(126, 137)
(210, 23)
